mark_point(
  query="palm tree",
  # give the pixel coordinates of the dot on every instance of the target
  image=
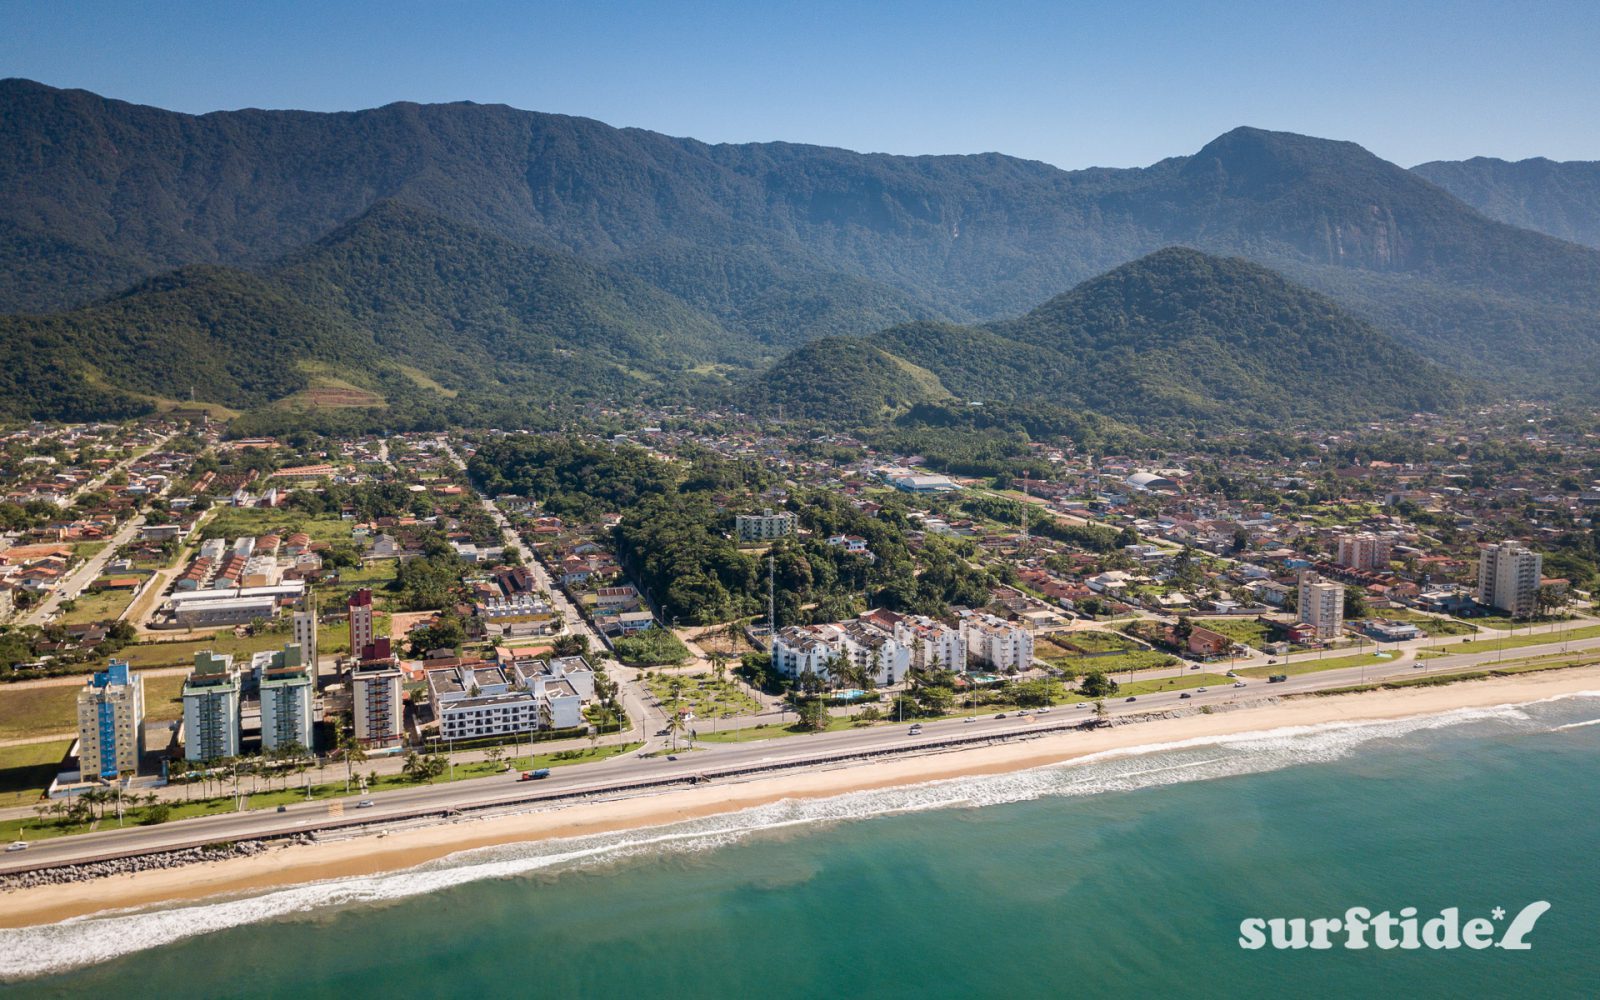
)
(354, 753)
(674, 724)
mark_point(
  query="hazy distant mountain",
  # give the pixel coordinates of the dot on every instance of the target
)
(1178, 337)
(702, 254)
(1561, 199)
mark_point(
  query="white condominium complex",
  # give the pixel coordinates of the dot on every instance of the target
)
(997, 643)
(1321, 604)
(862, 644)
(1508, 578)
(111, 722)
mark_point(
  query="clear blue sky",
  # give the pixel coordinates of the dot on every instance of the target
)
(1072, 83)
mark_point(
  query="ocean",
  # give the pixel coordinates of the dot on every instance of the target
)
(1120, 876)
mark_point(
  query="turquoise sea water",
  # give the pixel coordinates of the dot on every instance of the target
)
(1119, 877)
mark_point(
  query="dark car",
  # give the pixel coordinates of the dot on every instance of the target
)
(1186, 695)
(1132, 698)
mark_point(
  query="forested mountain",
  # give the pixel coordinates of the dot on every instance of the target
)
(842, 380)
(395, 297)
(773, 243)
(1560, 199)
(1177, 338)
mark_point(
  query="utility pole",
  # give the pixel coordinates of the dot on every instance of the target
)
(772, 599)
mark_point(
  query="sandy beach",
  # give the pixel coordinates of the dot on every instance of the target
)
(405, 848)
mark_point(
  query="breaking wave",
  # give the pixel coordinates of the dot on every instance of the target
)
(101, 937)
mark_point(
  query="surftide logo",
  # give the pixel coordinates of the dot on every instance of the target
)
(1360, 928)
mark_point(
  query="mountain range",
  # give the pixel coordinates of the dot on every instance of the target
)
(1559, 199)
(240, 256)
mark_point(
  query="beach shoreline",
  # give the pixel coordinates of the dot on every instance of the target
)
(405, 848)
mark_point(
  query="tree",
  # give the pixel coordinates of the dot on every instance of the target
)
(1550, 598)
(1355, 603)
(813, 715)
(1095, 684)
(354, 753)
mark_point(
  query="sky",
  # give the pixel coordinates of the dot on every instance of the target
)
(1071, 83)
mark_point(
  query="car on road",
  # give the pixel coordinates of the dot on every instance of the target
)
(364, 804)
(1132, 697)
(283, 809)
(1001, 715)
(1230, 674)
(1186, 695)
(1238, 684)
(671, 756)
(1195, 666)
(16, 845)
(916, 731)
(1199, 690)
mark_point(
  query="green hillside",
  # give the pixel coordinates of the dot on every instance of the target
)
(1178, 338)
(843, 381)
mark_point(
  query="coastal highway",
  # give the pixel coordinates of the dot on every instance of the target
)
(611, 777)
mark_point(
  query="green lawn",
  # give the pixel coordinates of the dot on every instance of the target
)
(232, 522)
(1311, 665)
(751, 734)
(97, 606)
(1074, 643)
(1245, 630)
(26, 771)
(1133, 660)
(181, 654)
(1158, 685)
(40, 711)
(1518, 641)
(703, 695)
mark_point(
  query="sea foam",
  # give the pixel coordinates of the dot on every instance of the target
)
(101, 937)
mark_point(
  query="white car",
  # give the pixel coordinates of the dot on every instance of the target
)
(1238, 684)
(19, 845)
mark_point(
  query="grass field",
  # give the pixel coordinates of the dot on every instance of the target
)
(703, 695)
(42, 711)
(1075, 643)
(26, 771)
(232, 522)
(1134, 659)
(1245, 630)
(1313, 665)
(1158, 685)
(1519, 641)
(751, 734)
(97, 606)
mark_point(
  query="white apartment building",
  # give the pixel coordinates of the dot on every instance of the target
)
(802, 648)
(111, 722)
(211, 717)
(932, 643)
(1321, 604)
(1365, 551)
(765, 526)
(1508, 578)
(288, 699)
(997, 643)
